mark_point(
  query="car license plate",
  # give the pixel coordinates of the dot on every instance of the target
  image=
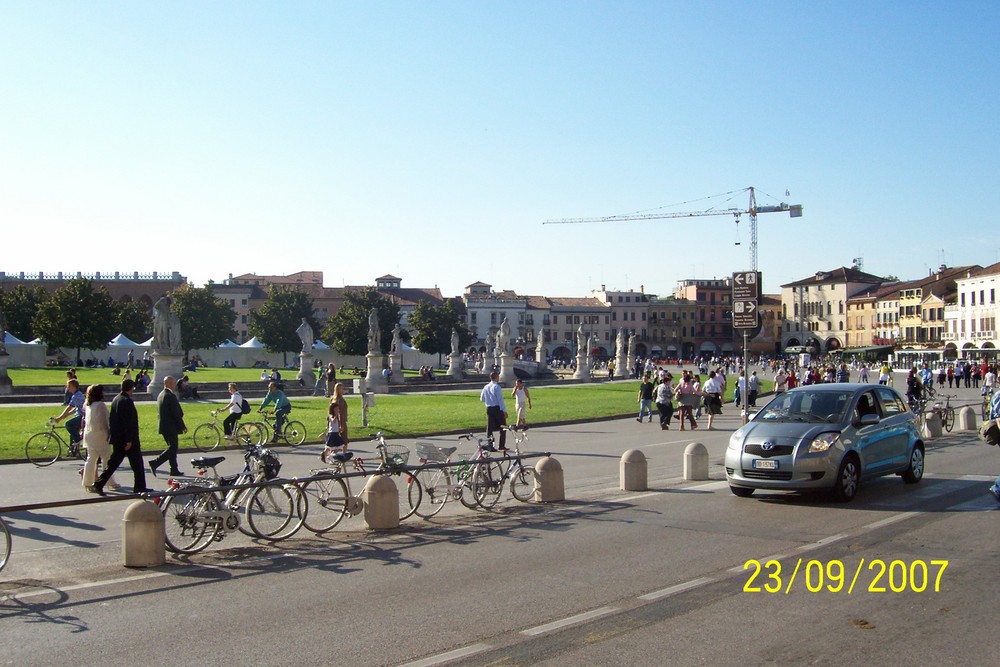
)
(764, 464)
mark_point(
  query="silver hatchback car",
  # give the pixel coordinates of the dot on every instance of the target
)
(826, 437)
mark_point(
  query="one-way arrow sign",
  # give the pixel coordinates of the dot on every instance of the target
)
(746, 285)
(745, 314)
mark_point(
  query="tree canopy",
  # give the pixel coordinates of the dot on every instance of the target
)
(276, 321)
(19, 307)
(206, 320)
(77, 316)
(431, 327)
(347, 331)
(134, 319)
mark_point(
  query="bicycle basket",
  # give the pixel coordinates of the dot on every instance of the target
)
(269, 463)
(396, 455)
(429, 452)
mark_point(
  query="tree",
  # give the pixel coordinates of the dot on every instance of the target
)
(206, 320)
(347, 331)
(432, 325)
(19, 307)
(280, 315)
(133, 318)
(77, 316)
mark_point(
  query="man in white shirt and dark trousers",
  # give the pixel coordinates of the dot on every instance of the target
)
(496, 409)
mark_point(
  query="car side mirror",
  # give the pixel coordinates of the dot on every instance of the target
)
(867, 420)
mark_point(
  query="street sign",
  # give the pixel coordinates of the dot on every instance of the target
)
(745, 314)
(746, 285)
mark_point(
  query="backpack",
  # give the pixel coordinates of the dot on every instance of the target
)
(245, 407)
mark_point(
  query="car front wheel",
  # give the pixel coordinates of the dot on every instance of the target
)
(915, 471)
(848, 478)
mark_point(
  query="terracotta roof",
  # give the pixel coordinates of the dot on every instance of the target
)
(840, 275)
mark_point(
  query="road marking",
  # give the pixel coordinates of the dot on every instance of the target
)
(679, 588)
(977, 478)
(823, 542)
(889, 521)
(442, 658)
(566, 622)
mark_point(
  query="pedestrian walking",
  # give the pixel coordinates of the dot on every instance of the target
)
(645, 399)
(123, 433)
(496, 409)
(665, 401)
(522, 401)
(95, 437)
(171, 426)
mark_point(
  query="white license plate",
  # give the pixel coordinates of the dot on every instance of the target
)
(763, 464)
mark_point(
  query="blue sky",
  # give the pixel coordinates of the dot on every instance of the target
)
(430, 140)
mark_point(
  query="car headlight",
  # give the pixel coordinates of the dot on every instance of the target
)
(823, 442)
(736, 439)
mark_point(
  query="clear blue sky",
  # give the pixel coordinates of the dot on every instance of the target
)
(431, 139)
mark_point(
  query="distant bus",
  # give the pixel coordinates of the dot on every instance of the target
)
(796, 349)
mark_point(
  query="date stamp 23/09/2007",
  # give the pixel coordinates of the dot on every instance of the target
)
(833, 576)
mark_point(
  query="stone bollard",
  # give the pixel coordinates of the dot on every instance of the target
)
(695, 462)
(549, 486)
(143, 537)
(932, 426)
(633, 469)
(967, 419)
(381, 500)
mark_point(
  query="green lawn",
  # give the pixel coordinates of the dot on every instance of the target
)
(397, 415)
(87, 376)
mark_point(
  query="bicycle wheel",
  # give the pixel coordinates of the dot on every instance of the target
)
(522, 483)
(437, 490)
(949, 419)
(488, 483)
(4, 544)
(465, 493)
(411, 493)
(186, 527)
(249, 434)
(294, 433)
(269, 510)
(326, 503)
(43, 449)
(207, 437)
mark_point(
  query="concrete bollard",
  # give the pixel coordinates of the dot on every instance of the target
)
(932, 426)
(549, 485)
(143, 538)
(695, 462)
(633, 468)
(967, 419)
(381, 500)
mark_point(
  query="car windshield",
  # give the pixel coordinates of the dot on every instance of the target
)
(814, 407)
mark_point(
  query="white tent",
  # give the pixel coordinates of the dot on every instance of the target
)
(320, 345)
(228, 343)
(121, 340)
(11, 339)
(253, 343)
(148, 343)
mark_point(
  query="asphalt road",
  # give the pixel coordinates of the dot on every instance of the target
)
(665, 576)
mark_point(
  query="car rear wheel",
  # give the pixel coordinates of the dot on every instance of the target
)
(915, 471)
(848, 478)
(741, 491)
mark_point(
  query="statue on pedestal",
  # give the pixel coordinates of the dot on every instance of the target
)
(397, 344)
(166, 327)
(305, 333)
(3, 333)
(582, 342)
(374, 333)
(540, 347)
(620, 342)
(454, 342)
(503, 338)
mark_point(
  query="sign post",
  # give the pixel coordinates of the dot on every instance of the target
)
(746, 297)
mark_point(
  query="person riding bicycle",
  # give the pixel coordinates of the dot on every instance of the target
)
(75, 405)
(914, 389)
(927, 378)
(281, 407)
(235, 411)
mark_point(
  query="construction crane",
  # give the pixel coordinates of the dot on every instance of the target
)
(794, 211)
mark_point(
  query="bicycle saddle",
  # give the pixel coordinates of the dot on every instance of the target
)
(207, 461)
(447, 451)
(343, 457)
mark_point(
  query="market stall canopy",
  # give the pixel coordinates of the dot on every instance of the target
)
(121, 340)
(253, 343)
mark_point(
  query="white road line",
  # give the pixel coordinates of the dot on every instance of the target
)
(889, 521)
(977, 478)
(823, 542)
(442, 658)
(679, 588)
(566, 622)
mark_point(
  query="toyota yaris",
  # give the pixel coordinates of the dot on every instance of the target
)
(826, 437)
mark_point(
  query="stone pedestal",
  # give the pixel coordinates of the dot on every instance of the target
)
(582, 367)
(621, 365)
(629, 365)
(6, 384)
(507, 376)
(455, 366)
(376, 383)
(165, 364)
(396, 366)
(306, 373)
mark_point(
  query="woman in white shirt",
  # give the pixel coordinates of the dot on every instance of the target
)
(95, 437)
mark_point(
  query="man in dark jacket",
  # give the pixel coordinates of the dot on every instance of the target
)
(171, 426)
(123, 427)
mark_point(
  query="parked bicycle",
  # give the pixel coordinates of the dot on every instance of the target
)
(946, 412)
(492, 475)
(4, 543)
(194, 520)
(209, 435)
(293, 432)
(443, 484)
(45, 448)
(330, 498)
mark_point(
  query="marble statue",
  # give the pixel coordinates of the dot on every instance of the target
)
(397, 344)
(305, 333)
(454, 342)
(374, 333)
(503, 338)
(620, 342)
(582, 342)
(166, 327)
